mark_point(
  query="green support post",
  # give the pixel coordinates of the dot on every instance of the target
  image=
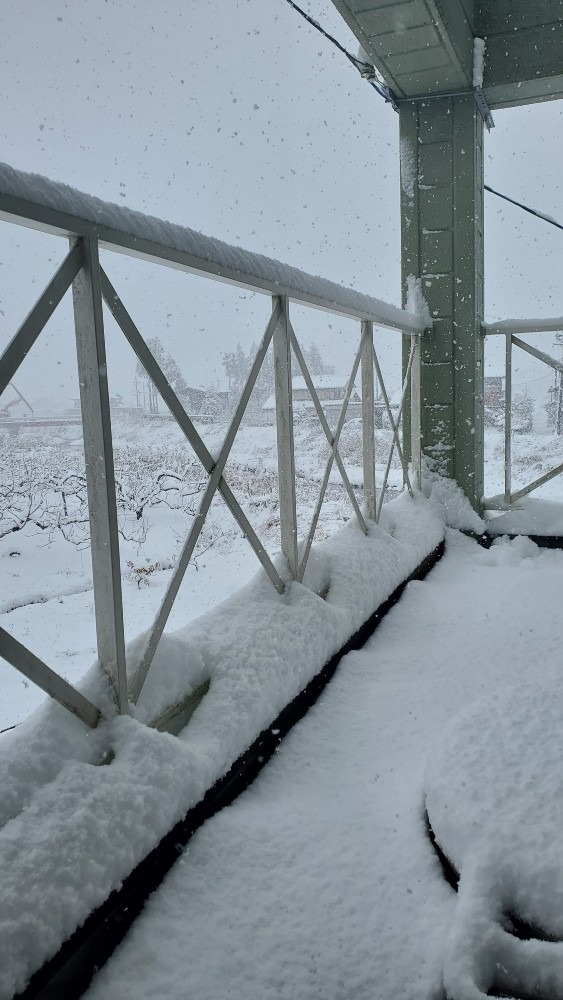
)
(442, 245)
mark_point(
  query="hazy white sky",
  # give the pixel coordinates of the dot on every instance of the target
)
(235, 118)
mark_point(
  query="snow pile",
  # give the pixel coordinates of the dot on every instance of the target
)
(235, 264)
(494, 788)
(449, 499)
(416, 303)
(478, 61)
(532, 516)
(408, 167)
(72, 830)
(320, 881)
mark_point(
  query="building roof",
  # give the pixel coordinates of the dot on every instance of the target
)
(322, 382)
(319, 382)
(425, 47)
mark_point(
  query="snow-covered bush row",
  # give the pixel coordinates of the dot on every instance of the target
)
(71, 830)
(46, 486)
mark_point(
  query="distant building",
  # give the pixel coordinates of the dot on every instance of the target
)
(116, 402)
(204, 401)
(331, 390)
(493, 391)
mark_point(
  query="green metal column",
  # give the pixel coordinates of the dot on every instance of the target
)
(442, 245)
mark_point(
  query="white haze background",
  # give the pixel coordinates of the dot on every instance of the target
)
(238, 119)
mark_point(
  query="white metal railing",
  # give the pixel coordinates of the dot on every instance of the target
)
(512, 330)
(89, 225)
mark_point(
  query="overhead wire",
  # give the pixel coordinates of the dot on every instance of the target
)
(366, 69)
(368, 73)
(525, 208)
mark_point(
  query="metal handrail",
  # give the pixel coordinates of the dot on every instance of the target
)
(42, 204)
(91, 224)
(516, 326)
(510, 328)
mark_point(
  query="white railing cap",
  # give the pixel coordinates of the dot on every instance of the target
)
(554, 324)
(37, 202)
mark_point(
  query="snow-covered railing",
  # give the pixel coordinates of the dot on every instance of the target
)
(512, 330)
(90, 224)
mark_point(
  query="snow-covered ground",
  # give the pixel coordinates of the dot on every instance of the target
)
(71, 830)
(320, 880)
(46, 597)
(533, 455)
(443, 662)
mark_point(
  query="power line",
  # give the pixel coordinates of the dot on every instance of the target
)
(525, 208)
(366, 69)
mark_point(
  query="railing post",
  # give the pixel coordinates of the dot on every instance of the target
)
(415, 421)
(508, 421)
(368, 408)
(284, 421)
(100, 477)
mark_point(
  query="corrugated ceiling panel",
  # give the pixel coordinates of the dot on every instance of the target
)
(405, 41)
(431, 81)
(414, 62)
(499, 17)
(399, 17)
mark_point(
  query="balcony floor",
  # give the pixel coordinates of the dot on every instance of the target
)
(320, 880)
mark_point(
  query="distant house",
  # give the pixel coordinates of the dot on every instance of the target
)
(493, 391)
(493, 399)
(116, 403)
(204, 401)
(215, 402)
(193, 399)
(330, 389)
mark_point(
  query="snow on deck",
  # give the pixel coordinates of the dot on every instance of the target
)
(72, 830)
(320, 881)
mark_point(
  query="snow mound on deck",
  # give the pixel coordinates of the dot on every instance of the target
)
(494, 794)
(531, 516)
(71, 830)
(449, 499)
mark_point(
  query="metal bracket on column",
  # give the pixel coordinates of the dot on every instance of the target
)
(478, 95)
(483, 107)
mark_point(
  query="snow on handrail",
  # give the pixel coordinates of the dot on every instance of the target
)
(35, 201)
(523, 326)
(89, 223)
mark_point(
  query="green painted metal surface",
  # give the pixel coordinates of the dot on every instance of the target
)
(524, 60)
(424, 47)
(411, 44)
(442, 238)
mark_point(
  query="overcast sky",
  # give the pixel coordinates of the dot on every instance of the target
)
(236, 118)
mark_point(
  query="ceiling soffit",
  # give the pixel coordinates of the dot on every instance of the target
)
(424, 47)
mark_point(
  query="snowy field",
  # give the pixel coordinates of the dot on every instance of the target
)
(320, 880)
(337, 888)
(46, 597)
(533, 455)
(46, 579)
